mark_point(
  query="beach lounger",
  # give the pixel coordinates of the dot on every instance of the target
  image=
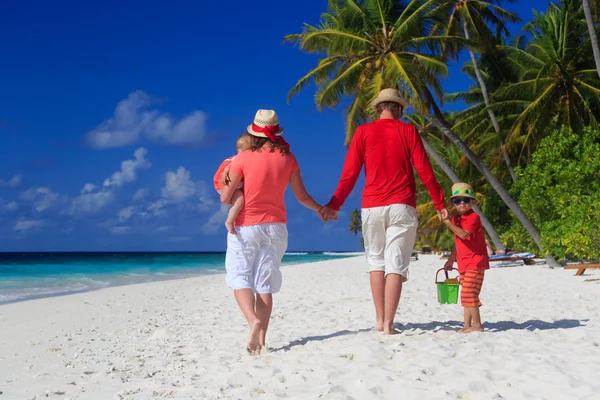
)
(527, 258)
(581, 267)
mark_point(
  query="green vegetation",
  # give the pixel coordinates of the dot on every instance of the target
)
(531, 115)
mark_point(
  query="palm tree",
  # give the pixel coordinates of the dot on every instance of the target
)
(424, 128)
(589, 18)
(355, 225)
(557, 82)
(374, 44)
(475, 20)
(474, 123)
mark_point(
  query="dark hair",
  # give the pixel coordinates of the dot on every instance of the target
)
(389, 105)
(257, 143)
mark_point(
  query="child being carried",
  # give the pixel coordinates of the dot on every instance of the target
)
(221, 179)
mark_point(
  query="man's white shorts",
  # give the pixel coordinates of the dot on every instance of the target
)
(254, 256)
(389, 234)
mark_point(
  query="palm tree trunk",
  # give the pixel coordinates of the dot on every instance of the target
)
(486, 99)
(487, 225)
(437, 119)
(592, 29)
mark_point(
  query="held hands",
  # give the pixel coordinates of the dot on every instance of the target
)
(327, 214)
(443, 214)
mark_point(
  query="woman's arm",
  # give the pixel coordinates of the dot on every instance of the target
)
(227, 192)
(300, 192)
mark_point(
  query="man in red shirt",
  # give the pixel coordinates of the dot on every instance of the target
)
(470, 252)
(388, 149)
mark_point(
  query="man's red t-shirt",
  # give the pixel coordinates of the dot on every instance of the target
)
(388, 149)
(471, 253)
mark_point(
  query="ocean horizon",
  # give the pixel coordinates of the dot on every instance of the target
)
(33, 275)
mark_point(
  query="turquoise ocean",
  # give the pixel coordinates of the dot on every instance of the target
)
(25, 276)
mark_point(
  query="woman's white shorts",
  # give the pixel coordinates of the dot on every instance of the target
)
(254, 256)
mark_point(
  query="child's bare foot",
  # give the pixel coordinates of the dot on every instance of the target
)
(462, 330)
(230, 226)
(253, 345)
(379, 326)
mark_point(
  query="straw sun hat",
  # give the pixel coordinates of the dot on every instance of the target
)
(266, 123)
(389, 95)
(462, 190)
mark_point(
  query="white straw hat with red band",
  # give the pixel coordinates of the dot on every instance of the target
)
(266, 123)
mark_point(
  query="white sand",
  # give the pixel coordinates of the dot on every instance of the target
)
(185, 340)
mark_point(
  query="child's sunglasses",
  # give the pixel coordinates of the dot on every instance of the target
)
(458, 200)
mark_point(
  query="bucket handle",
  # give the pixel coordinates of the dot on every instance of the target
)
(446, 271)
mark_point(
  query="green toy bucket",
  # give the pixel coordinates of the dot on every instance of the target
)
(447, 293)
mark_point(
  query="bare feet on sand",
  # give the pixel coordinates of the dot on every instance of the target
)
(379, 326)
(474, 329)
(388, 328)
(230, 226)
(253, 345)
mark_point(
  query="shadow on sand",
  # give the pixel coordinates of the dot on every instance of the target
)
(435, 326)
(500, 326)
(303, 341)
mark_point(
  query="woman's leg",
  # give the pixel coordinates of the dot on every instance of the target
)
(264, 306)
(246, 302)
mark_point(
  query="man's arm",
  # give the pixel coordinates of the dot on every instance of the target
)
(423, 166)
(353, 164)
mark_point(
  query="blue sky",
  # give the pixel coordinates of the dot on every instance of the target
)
(114, 117)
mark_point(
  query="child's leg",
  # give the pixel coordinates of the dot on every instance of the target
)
(467, 317)
(476, 325)
(237, 200)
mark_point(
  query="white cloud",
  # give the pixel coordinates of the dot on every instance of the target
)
(156, 208)
(88, 188)
(92, 202)
(42, 197)
(128, 172)
(216, 221)
(180, 239)
(163, 228)
(125, 213)
(188, 131)
(12, 206)
(93, 198)
(140, 195)
(120, 230)
(130, 122)
(178, 185)
(14, 182)
(27, 225)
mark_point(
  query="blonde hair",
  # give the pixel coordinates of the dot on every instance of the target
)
(244, 142)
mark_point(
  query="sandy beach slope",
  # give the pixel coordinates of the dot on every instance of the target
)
(185, 340)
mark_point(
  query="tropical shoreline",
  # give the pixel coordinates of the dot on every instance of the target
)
(185, 339)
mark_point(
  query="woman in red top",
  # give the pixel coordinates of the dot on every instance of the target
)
(255, 250)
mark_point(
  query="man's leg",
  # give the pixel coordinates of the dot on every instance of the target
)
(264, 306)
(393, 290)
(400, 240)
(373, 230)
(378, 292)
